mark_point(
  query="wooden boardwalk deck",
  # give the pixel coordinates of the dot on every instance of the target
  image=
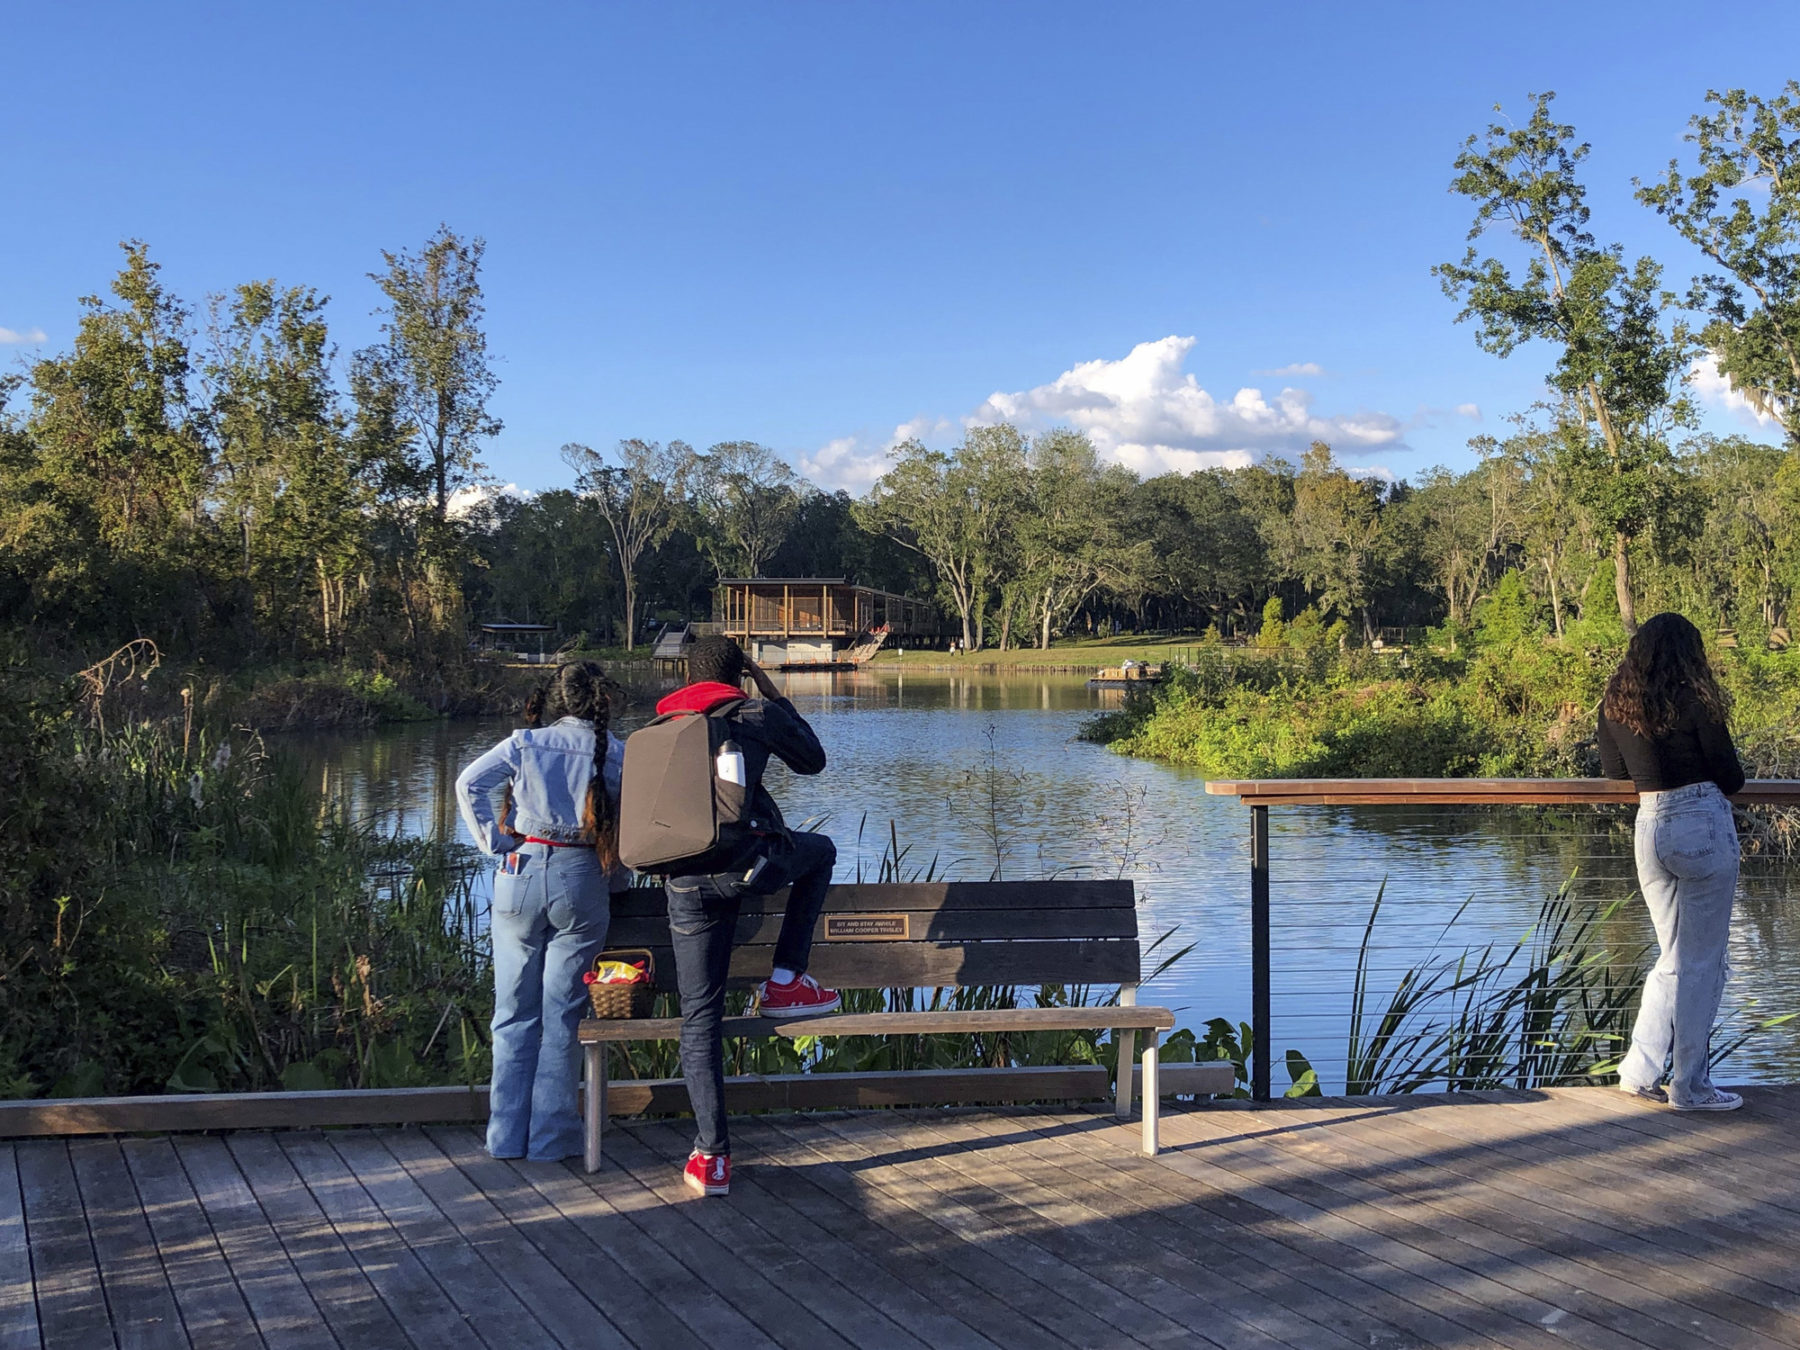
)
(1568, 1217)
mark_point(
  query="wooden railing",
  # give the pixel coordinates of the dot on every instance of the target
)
(1259, 794)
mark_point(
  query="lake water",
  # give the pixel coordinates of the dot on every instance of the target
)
(933, 759)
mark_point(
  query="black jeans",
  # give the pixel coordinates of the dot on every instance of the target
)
(703, 914)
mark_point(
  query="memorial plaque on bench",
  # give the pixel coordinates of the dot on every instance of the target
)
(868, 927)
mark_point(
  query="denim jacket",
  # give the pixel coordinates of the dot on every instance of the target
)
(548, 770)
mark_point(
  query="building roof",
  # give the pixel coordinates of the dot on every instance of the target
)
(518, 628)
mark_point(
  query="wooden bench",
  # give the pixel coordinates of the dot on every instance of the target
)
(927, 936)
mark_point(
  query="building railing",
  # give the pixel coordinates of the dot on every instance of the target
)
(1260, 794)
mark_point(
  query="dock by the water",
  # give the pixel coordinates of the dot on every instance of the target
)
(1527, 1219)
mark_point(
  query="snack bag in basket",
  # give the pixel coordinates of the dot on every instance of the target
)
(617, 972)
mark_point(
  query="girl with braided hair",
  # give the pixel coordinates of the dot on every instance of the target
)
(559, 861)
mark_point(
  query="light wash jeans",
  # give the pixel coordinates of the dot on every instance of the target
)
(548, 924)
(1687, 863)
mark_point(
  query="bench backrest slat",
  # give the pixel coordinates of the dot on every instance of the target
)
(958, 933)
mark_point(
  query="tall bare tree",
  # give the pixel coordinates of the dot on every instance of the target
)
(641, 497)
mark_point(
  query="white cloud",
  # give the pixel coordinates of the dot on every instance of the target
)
(1144, 412)
(1295, 368)
(848, 462)
(467, 499)
(1714, 388)
(31, 337)
(1472, 411)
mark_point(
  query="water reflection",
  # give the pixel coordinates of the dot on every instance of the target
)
(937, 758)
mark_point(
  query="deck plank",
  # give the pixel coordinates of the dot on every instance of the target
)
(567, 1310)
(571, 1249)
(141, 1303)
(72, 1309)
(18, 1291)
(1610, 1257)
(923, 1316)
(825, 1293)
(823, 1196)
(213, 1312)
(1465, 1288)
(1378, 1163)
(412, 1297)
(472, 1285)
(1030, 1279)
(1275, 1262)
(1430, 1287)
(1121, 1291)
(1128, 1209)
(279, 1300)
(1484, 1221)
(1628, 1193)
(352, 1308)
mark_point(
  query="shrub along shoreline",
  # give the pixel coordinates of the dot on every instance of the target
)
(1486, 703)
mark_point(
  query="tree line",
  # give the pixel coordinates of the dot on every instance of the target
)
(224, 480)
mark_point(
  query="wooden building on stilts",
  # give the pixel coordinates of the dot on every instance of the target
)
(799, 623)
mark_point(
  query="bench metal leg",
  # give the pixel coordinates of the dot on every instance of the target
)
(593, 1103)
(1152, 1093)
(1126, 1039)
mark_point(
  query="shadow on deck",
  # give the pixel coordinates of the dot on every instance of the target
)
(1503, 1219)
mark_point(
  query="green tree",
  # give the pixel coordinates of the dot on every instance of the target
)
(288, 485)
(434, 358)
(747, 499)
(1741, 208)
(121, 469)
(1620, 367)
(1743, 555)
(1070, 531)
(1337, 529)
(956, 511)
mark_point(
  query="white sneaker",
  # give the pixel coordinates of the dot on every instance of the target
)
(1720, 1100)
(1649, 1094)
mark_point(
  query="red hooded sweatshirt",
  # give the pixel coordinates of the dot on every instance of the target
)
(698, 698)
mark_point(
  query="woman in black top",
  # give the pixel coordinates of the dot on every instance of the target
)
(1662, 725)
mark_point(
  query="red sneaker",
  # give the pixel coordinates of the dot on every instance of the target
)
(708, 1174)
(799, 997)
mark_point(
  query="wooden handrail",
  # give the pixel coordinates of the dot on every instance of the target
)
(1468, 791)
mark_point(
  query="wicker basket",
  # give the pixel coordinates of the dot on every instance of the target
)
(618, 1001)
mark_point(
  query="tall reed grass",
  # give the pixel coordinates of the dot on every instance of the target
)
(1553, 1009)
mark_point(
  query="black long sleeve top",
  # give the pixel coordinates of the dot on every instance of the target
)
(1697, 750)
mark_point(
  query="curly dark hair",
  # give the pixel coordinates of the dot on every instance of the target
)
(1664, 673)
(581, 689)
(717, 658)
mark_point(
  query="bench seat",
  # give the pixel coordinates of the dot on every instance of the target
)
(1143, 1018)
(925, 936)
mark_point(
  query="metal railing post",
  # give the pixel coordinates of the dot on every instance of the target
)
(1259, 952)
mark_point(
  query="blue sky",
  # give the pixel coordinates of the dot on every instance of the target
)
(814, 224)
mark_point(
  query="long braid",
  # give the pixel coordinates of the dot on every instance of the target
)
(579, 689)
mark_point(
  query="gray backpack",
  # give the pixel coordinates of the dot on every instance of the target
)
(683, 803)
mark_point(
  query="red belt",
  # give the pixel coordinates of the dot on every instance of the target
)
(552, 843)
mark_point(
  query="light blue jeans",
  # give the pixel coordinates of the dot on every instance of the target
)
(1687, 863)
(548, 924)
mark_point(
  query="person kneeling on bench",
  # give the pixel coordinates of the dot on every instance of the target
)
(703, 905)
